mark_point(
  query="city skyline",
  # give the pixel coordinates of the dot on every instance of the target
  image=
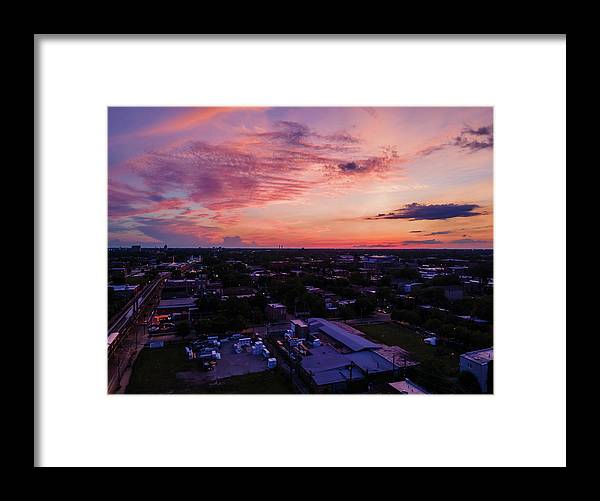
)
(380, 178)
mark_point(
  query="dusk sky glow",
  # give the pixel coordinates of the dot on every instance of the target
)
(301, 177)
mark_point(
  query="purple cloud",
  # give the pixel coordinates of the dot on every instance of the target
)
(469, 138)
(420, 212)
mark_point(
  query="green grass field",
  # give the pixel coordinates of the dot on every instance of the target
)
(258, 383)
(154, 372)
(438, 369)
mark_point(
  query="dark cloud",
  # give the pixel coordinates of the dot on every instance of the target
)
(371, 165)
(349, 167)
(420, 212)
(475, 139)
(416, 231)
(377, 246)
(438, 233)
(432, 241)
(469, 241)
(469, 139)
(482, 131)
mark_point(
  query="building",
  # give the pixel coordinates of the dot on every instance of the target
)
(408, 288)
(123, 290)
(299, 328)
(240, 292)
(178, 305)
(341, 359)
(377, 262)
(453, 292)
(399, 283)
(276, 312)
(179, 288)
(407, 387)
(480, 364)
(208, 288)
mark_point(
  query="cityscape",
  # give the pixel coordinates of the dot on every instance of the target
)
(300, 251)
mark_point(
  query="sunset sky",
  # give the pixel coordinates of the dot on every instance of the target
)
(301, 177)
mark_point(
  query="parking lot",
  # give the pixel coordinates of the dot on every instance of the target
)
(231, 364)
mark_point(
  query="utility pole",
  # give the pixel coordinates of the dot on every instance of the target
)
(351, 367)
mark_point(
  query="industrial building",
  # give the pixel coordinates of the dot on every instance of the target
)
(479, 363)
(338, 359)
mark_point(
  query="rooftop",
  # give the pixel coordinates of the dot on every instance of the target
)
(185, 302)
(481, 357)
(336, 376)
(119, 288)
(407, 387)
(328, 366)
(351, 341)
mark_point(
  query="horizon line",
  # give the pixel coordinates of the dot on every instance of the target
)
(307, 248)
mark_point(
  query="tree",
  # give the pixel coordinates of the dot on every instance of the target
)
(409, 316)
(346, 312)
(431, 295)
(484, 308)
(386, 281)
(182, 328)
(434, 325)
(364, 306)
(357, 278)
(446, 280)
(384, 294)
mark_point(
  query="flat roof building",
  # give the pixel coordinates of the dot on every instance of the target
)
(342, 358)
(178, 305)
(407, 387)
(479, 363)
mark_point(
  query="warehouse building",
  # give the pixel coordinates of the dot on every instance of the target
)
(342, 361)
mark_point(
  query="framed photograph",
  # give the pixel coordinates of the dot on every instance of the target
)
(227, 273)
(295, 236)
